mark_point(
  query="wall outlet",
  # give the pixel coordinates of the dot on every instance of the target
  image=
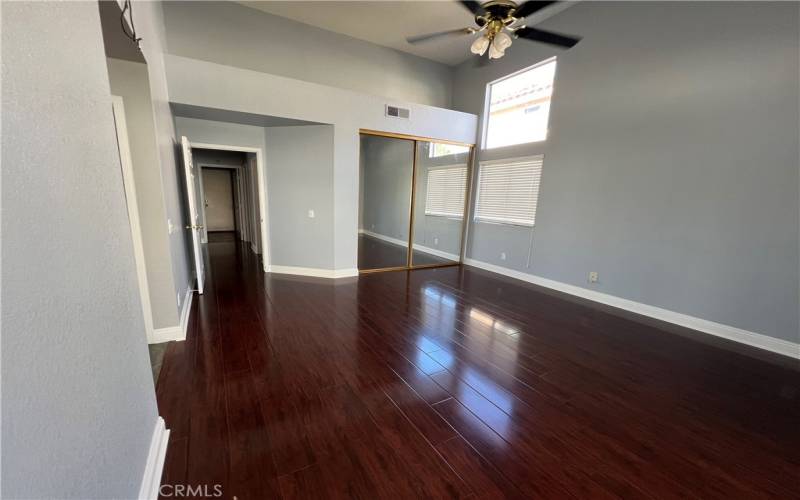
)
(178, 297)
(311, 214)
(170, 226)
(436, 241)
(593, 277)
(502, 256)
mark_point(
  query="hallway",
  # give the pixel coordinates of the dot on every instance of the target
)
(457, 383)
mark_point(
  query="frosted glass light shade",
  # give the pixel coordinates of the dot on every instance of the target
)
(502, 41)
(495, 52)
(480, 45)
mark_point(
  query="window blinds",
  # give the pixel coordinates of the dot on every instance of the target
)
(508, 190)
(446, 188)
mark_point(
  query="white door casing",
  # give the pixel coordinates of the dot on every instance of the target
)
(126, 164)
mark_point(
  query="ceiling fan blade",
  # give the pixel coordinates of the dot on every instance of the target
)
(550, 37)
(439, 34)
(529, 8)
(474, 7)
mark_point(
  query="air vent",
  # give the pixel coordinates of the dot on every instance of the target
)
(396, 112)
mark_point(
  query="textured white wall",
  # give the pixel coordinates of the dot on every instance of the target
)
(78, 407)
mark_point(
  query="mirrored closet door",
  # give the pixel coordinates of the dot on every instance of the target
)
(413, 201)
(440, 197)
(387, 166)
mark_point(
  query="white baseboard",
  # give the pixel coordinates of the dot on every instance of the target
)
(421, 248)
(752, 339)
(437, 252)
(313, 271)
(178, 332)
(151, 480)
(388, 239)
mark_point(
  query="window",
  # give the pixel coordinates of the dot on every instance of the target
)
(446, 187)
(437, 149)
(508, 191)
(519, 106)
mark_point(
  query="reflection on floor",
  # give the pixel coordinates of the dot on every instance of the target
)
(156, 358)
(374, 253)
(455, 382)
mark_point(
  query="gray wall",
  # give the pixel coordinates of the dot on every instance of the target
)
(248, 38)
(671, 167)
(218, 191)
(244, 91)
(129, 80)
(148, 18)
(299, 172)
(78, 407)
(299, 179)
(386, 166)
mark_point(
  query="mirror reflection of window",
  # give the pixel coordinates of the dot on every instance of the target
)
(439, 202)
(437, 149)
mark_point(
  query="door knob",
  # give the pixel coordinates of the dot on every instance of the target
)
(193, 226)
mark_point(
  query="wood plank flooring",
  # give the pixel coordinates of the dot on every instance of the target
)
(457, 383)
(374, 253)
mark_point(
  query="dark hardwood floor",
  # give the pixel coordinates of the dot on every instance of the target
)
(458, 383)
(374, 253)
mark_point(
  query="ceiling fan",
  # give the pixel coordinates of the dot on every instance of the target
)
(500, 22)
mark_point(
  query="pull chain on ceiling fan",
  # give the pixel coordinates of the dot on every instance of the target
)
(500, 22)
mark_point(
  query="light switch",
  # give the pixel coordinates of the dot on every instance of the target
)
(311, 214)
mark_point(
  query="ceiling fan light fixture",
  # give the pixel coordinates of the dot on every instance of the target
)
(480, 45)
(502, 41)
(495, 52)
(499, 23)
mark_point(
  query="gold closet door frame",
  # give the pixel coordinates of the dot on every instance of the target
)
(467, 200)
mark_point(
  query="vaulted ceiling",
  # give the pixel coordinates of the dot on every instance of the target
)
(388, 23)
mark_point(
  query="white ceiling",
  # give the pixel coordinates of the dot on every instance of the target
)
(388, 23)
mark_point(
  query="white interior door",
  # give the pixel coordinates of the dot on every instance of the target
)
(194, 213)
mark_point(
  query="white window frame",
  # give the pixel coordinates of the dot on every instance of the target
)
(488, 103)
(524, 159)
(427, 184)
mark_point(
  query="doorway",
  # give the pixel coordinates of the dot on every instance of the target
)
(218, 205)
(226, 191)
(413, 201)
